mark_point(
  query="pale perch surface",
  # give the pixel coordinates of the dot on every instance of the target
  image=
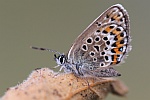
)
(44, 84)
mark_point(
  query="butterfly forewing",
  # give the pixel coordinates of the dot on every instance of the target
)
(105, 41)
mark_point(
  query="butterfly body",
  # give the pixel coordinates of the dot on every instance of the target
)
(102, 45)
(81, 69)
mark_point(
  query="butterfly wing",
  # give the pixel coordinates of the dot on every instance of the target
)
(105, 41)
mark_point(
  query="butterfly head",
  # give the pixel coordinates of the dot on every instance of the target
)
(60, 59)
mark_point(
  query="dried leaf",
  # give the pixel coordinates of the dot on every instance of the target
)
(44, 84)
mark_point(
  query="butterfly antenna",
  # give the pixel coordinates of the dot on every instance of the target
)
(45, 49)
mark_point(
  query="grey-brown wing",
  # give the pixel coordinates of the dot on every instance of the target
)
(105, 41)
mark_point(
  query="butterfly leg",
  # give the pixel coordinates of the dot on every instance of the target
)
(56, 66)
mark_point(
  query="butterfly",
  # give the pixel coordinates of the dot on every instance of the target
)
(104, 44)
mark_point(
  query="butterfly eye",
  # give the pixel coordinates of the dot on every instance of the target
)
(62, 59)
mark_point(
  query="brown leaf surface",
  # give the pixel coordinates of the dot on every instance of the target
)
(44, 84)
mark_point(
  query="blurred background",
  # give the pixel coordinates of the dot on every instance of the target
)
(55, 24)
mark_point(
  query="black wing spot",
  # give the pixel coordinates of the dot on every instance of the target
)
(117, 62)
(122, 42)
(113, 51)
(108, 42)
(97, 39)
(94, 59)
(118, 55)
(84, 47)
(114, 45)
(111, 33)
(89, 40)
(107, 16)
(98, 31)
(97, 48)
(105, 32)
(121, 19)
(106, 57)
(102, 53)
(99, 24)
(112, 57)
(102, 64)
(115, 38)
(111, 27)
(122, 34)
(112, 19)
(118, 29)
(105, 38)
(118, 15)
(92, 53)
(106, 48)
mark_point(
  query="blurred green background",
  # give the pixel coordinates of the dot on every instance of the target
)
(55, 24)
